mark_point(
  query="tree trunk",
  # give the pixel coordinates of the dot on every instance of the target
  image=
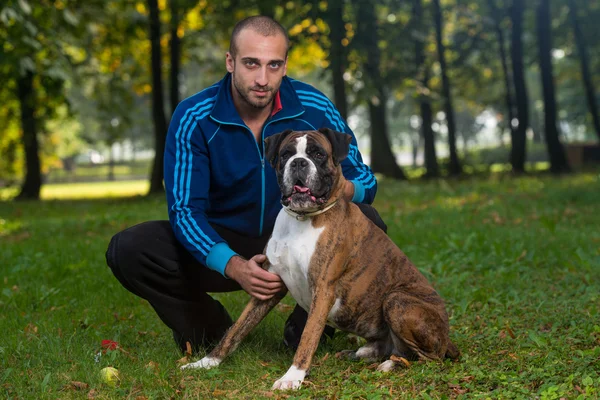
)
(175, 46)
(508, 96)
(431, 164)
(337, 54)
(382, 157)
(519, 135)
(558, 159)
(30, 190)
(454, 168)
(585, 67)
(111, 162)
(158, 110)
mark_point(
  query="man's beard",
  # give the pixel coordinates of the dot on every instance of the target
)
(245, 94)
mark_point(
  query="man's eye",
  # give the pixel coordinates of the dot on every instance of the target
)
(249, 63)
(275, 65)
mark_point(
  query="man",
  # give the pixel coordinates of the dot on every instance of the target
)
(223, 197)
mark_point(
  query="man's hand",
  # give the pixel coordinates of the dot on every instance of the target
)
(252, 278)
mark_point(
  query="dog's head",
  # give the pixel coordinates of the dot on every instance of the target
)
(307, 164)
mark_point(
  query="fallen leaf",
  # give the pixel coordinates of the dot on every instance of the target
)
(522, 256)
(31, 329)
(79, 385)
(183, 360)
(152, 366)
(188, 349)
(265, 376)
(264, 363)
(218, 392)
(109, 344)
(457, 389)
(510, 331)
(400, 360)
(92, 394)
(141, 398)
(467, 378)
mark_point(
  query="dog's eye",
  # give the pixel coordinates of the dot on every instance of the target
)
(319, 155)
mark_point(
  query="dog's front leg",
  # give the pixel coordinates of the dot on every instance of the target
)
(317, 317)
(255, 311)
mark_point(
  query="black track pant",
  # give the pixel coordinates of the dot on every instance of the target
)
(151, 263)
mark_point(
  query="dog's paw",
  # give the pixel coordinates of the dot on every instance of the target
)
(386, 366)
(292, 379)
(205, 363)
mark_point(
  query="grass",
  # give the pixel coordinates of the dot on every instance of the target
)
(517, 260)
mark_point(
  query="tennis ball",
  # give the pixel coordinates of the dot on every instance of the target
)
(110, 376)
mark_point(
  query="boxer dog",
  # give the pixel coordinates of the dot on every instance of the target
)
(338, 266)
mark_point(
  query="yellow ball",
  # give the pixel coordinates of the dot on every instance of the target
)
(110, 376)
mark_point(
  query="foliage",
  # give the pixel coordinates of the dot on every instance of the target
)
(516, 260)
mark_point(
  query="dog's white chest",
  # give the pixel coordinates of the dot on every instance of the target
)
(289, 251)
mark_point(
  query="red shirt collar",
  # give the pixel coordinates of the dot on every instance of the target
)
(277, 104)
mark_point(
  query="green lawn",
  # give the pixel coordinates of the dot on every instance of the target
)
(517, 260)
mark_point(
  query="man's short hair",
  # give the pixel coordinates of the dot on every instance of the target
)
(260, 24)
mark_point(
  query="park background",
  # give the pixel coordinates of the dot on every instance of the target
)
(480, 118)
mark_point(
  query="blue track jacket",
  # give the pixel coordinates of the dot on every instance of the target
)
(215, 171)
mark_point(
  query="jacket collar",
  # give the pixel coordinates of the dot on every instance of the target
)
(224, 110)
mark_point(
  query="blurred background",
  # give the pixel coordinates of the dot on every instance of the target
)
(432, 88)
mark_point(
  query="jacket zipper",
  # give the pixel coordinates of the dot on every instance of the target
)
(262, 161)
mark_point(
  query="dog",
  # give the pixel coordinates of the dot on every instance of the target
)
(339, 266)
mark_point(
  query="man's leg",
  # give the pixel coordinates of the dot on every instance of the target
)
(294, 326)
(151, 263)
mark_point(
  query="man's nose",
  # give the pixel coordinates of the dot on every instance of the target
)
(261, 77)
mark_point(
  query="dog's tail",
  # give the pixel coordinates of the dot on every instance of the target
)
(452, 351)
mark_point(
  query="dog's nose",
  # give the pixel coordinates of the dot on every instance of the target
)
(299, 163)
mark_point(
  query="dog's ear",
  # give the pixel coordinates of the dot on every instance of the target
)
(272, 144)
(340, 144)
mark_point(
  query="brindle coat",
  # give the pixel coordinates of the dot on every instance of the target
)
(378, 293)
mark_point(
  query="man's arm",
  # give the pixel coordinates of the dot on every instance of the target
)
(186, 161)
(362, 184)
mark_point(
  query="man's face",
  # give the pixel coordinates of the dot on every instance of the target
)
(259, 66)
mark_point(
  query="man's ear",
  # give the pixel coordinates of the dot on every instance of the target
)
(340, 144)
(272, 144)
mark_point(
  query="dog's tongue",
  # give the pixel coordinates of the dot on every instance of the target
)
(301, 189)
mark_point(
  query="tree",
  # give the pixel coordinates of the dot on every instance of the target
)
(558, 159)
(454, 168)
(497, 17)
(158, 109)
(423, 92)
(590, 92)
(367, 41)
(34, 69)
(27, 101)
(334, 16)
(519, 135)
(175, 54)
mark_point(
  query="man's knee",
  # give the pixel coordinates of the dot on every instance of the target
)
(126, 248)
(370, 212)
